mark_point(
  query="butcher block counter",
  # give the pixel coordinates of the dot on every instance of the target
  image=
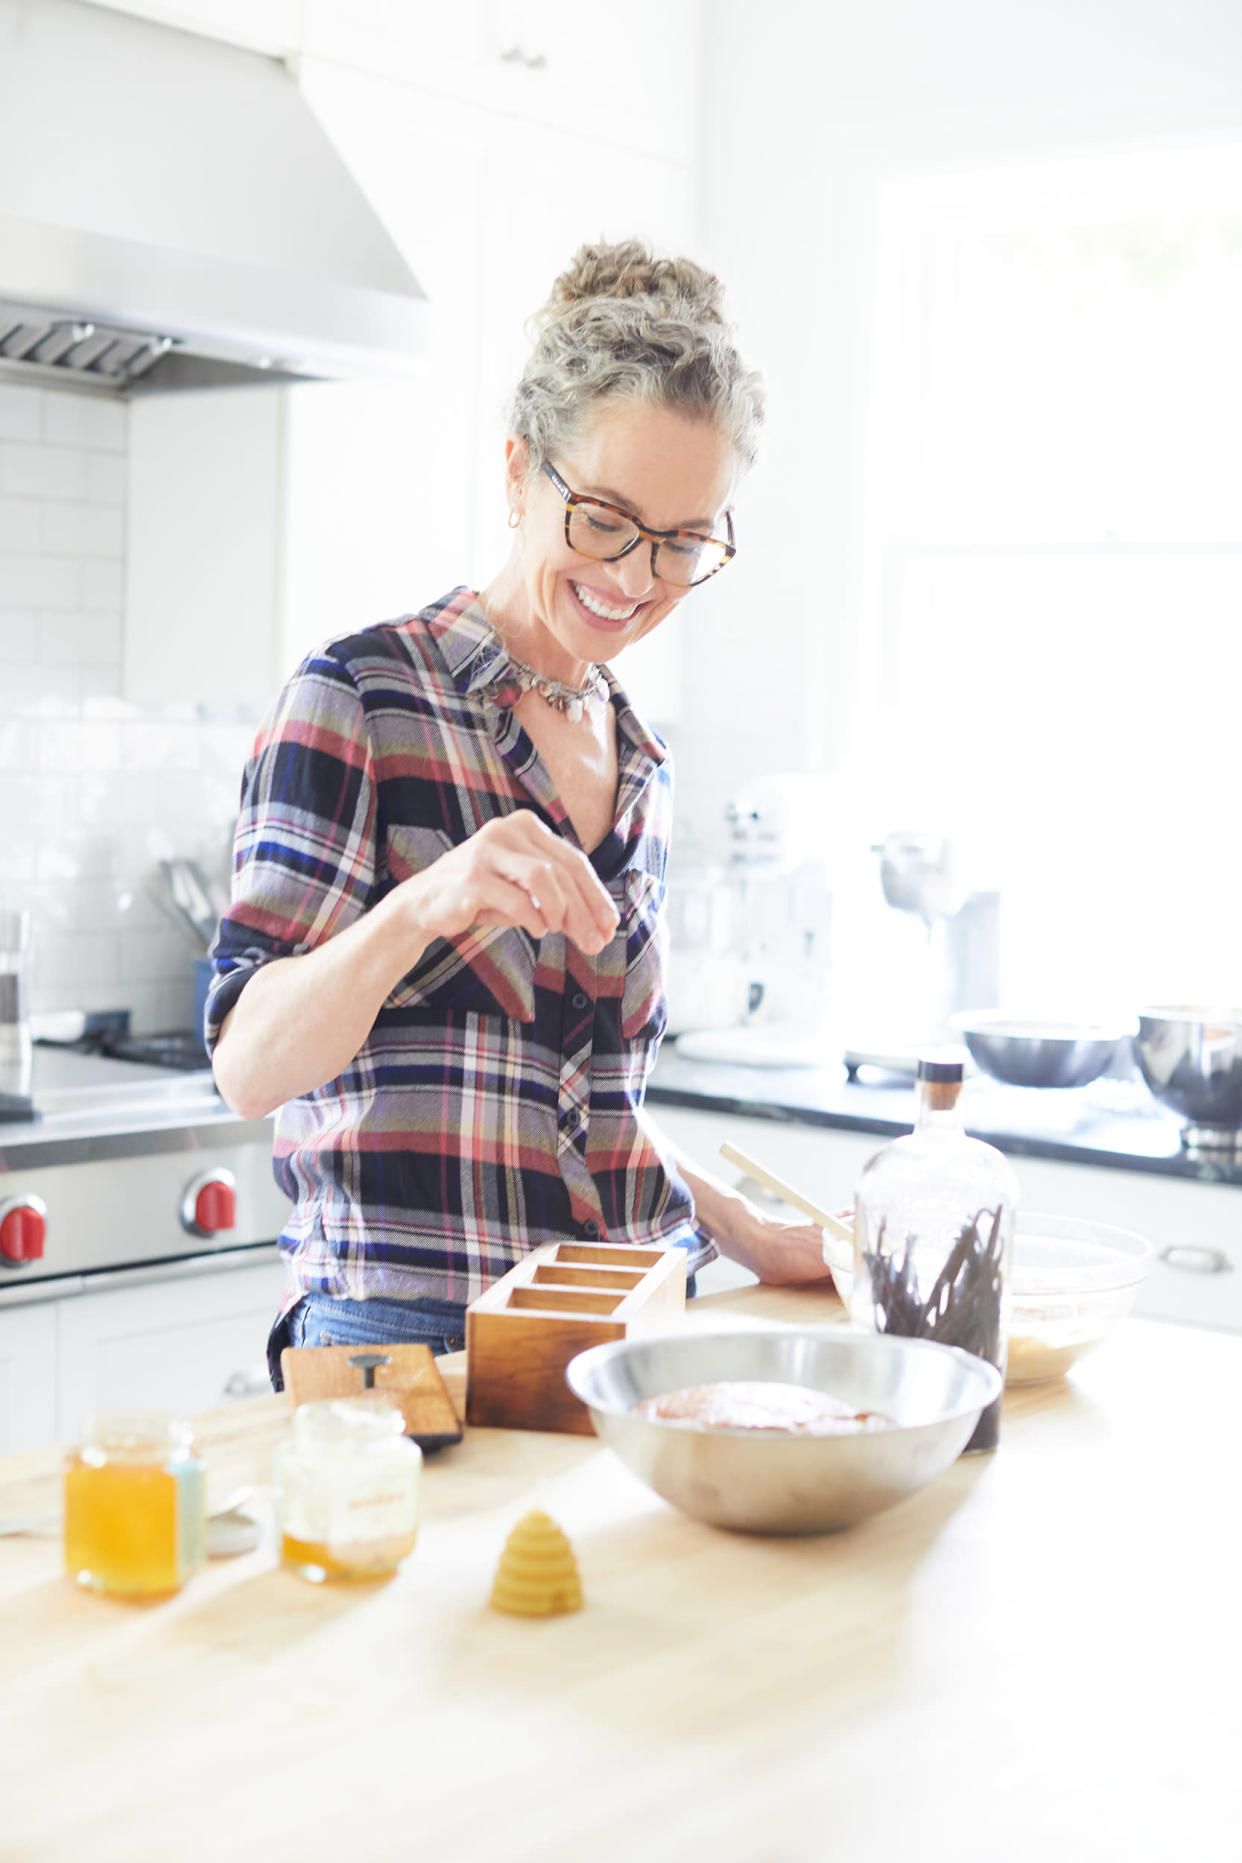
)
(1036, 1657)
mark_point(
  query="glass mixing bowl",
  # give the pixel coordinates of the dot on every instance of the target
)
(1073, 1279)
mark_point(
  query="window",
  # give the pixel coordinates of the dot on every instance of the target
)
(1054, 560)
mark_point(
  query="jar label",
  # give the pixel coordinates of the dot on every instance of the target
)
(353, 1506)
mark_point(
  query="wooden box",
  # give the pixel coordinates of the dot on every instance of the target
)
(564, 1297)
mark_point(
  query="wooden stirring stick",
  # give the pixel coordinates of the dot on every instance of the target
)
(763, 1176)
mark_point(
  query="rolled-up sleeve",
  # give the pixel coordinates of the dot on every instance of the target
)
(304, 858)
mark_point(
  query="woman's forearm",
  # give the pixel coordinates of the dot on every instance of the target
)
(300, 1021)
(781, 1253)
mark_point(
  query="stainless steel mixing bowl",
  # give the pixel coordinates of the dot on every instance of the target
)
(1191, 1059)
(1038, 1054)
(766, 1481)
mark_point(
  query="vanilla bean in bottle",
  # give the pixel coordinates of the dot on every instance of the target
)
(933, 1234)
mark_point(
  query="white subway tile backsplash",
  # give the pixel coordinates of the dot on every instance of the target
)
(29, 581)
(151, 957)
(40, 691)
(76, 746)
(19, 524)
(106, 479)
(100, 684)
(94, 790)
(85, 420)
(82, 530)
(20, 412)
(19, 646)
(103, 584)
(81, 640)
(77, 958)
(34, 471)
(152, 744)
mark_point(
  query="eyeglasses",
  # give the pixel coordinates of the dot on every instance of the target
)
(607, 533)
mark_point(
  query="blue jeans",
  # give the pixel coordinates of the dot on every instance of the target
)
(319, 1320)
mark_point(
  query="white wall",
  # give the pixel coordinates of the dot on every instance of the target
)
(808, 104)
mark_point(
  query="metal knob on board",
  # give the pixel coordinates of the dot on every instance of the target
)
(368, 1364)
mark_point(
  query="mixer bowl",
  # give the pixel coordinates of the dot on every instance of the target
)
(1191, 1059)
(1026, 1053)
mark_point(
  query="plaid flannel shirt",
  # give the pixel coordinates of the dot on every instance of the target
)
(496, 1103)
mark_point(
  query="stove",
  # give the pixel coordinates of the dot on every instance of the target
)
(129, 1162)
(182, 1050)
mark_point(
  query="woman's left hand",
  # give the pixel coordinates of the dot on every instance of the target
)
(781, 1253)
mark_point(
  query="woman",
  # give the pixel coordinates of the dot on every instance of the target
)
(442, 960)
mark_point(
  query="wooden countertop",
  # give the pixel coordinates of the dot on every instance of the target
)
(1036, 1657)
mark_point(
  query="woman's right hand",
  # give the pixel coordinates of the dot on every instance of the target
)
(512, 871)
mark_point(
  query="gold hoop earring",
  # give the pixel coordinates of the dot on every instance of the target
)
(515, 518)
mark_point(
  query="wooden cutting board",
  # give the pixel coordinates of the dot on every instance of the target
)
(411, 1378)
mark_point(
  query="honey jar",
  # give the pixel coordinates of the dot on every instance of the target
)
(347, 1487)
(135, 1520)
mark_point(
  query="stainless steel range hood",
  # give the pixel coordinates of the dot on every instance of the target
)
(172, 215)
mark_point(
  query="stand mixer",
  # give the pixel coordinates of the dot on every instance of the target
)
(955, 966)
(768, 978)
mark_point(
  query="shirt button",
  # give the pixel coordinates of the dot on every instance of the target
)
(578, 1000)
(590, 1229)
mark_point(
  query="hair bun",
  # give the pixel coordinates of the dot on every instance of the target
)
(630, 270)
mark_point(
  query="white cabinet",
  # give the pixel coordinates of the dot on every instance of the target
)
(630, 79)
(1195, 1228)
(182, 1344)
(27, 1377)
(272, 26)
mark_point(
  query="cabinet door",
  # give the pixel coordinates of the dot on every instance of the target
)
(180, 1344)
(628, 78)
(27, 1377)
(271, 26)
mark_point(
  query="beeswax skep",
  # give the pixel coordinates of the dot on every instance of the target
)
(538, 1574)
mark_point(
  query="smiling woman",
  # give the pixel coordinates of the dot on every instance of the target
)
(442, 958)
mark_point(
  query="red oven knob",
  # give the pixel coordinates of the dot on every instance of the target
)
(209, 1205)
(23, 1229)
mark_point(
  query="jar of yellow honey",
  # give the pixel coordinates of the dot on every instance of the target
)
(135, 1519)
(347, 1489)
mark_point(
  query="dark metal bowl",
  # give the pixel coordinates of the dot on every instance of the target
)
(1191, 1059)
(1028, 1053)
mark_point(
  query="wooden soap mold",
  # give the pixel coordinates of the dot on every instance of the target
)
(562, 1298)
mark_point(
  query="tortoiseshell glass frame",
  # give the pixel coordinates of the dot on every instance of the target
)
(654, 537)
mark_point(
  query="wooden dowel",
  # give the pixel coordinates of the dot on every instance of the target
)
(762, 1175)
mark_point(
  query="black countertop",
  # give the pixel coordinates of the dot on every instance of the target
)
(1113, 1123)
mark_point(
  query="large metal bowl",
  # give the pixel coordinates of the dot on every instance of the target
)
(1191, 1059)
(767, 1482)
(1026, 1053)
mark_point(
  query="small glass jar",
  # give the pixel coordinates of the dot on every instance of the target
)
(347, 1486)
(135, 1511)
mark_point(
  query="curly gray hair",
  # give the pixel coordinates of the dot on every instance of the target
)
(622, 323)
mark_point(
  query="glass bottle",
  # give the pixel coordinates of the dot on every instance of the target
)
(135, 1517)
(933, 1234)
(347, 1486)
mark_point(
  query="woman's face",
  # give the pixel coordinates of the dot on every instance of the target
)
(668, 471)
